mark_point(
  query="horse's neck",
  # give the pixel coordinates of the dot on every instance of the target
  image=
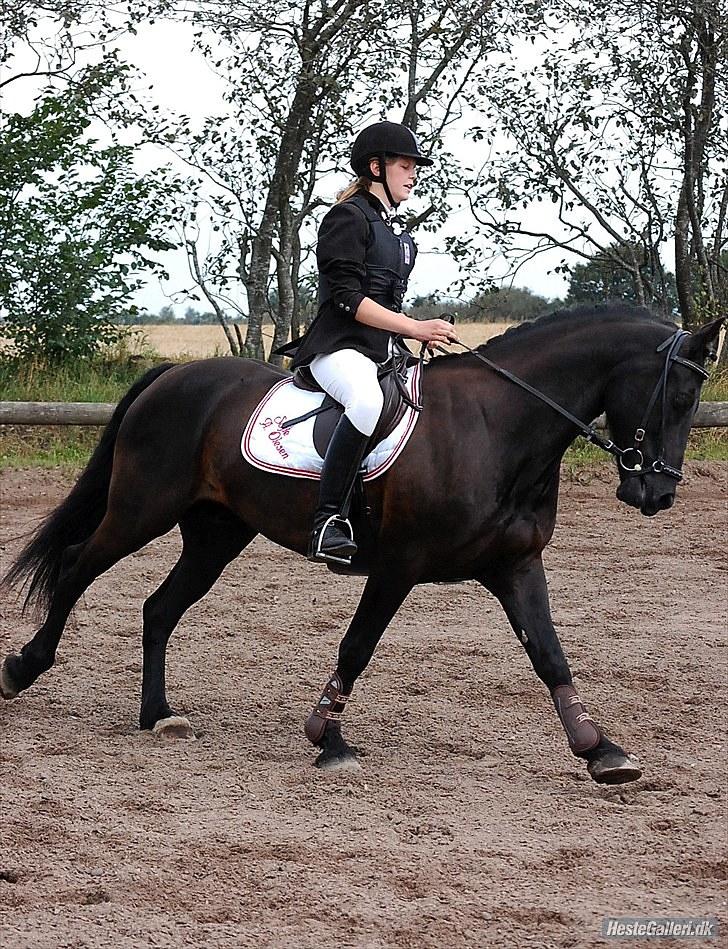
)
(573, 371)
(573, 375)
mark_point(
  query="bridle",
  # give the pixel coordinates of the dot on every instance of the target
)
(630, 460)
(672, 346)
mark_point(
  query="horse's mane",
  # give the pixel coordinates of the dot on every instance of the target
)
(599, 313)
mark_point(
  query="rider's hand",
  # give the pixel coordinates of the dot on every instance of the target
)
(433, 331)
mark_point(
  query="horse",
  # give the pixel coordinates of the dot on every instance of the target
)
(473, 496)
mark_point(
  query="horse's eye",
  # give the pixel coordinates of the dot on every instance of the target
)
(682, 400)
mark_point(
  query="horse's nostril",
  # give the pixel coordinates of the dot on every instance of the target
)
(631, 492)
(666, 501)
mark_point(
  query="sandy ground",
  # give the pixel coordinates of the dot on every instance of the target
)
(470, 824)
(175, 341)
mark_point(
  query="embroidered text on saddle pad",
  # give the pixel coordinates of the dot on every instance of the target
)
(269, 445)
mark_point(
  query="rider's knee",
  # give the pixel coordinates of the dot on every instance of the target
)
(364, 411)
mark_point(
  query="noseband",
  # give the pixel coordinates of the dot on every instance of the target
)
(630, 460)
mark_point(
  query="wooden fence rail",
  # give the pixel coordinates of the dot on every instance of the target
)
(709, 414)
(55, 413)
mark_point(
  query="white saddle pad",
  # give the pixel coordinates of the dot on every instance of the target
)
(269, 445)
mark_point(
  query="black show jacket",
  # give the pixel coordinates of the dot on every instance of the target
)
(359, 255)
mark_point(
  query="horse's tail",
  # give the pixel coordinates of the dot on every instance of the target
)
(76, 518)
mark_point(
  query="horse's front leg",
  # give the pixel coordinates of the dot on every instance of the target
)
(383, 594)
(524, 596)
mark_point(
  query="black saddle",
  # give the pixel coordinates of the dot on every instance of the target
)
(392, 376)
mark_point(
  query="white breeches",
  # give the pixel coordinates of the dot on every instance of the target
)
(351, 378)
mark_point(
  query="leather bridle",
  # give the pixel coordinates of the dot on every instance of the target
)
(630, 460)
(672, 346)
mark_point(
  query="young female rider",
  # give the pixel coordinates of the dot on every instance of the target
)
(364, 259)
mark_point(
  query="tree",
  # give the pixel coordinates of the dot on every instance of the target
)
(509, 303)
(166, 315)
(600, 278)
(300, 79)
(702, 282)
(53, 41)
(77, 224)
(506, 304)
(617, 129)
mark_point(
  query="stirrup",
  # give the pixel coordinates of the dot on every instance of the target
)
(316, 553)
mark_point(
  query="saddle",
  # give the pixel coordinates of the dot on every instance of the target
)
(392, 375)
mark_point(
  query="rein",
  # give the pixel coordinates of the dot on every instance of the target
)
(633, 453)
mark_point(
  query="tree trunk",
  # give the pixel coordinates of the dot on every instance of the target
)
(279, 196)
(696, 292)
(683, 262)
(295, 272)
(257, 288)
(284, 259)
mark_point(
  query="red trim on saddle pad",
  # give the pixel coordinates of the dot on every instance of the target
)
(267, 444)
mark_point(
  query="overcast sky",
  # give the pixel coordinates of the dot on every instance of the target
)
(183, 82)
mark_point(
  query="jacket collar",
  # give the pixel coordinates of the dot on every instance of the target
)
(390, 216)
(379, 206)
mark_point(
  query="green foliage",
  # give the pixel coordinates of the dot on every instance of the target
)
(166, 317)
(193, 317)
(608, 276)
(511, 304)
(612, 134)
(135, 317)
(104, 378)
(59, 446)
(77, 225)
(716, 387)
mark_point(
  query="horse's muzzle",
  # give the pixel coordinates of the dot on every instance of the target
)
(649, 494)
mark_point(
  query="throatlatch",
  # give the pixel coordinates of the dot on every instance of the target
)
(578, 724)
(329, 708)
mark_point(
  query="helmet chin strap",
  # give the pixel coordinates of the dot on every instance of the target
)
(382, 179)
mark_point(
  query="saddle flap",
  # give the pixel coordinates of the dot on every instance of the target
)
(326, 422)
(270, 444)
(303, 379)
(393, 383)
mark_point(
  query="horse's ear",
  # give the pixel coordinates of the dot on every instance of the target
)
(707, 342)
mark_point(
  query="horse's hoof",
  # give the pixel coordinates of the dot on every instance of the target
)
(327, 761)
(174, 728)
(8, 689)
(614, 768)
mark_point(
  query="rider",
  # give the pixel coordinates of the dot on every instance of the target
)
(364, 257)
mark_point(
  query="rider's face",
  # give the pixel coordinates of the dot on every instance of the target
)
(401, 174)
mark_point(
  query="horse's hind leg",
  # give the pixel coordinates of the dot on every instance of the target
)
(212, 537)
(524, 596)
(115, 538)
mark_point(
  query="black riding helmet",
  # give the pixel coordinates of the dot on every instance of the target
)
(383, 140)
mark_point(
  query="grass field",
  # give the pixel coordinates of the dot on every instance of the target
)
(198, 341)
(70, 446)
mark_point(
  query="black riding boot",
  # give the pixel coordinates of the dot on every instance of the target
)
(332, 538)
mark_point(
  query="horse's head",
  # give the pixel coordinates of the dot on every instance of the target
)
(650, 405)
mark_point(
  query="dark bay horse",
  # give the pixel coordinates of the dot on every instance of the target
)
(473, 496)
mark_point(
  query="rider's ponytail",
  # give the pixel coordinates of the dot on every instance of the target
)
(360, 184)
